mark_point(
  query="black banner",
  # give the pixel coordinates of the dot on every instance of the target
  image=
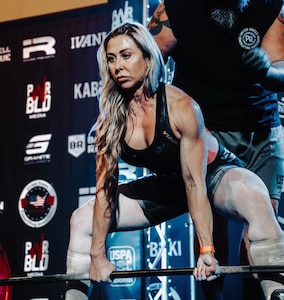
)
(49, 89)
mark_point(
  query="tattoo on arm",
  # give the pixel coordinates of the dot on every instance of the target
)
(155, 25)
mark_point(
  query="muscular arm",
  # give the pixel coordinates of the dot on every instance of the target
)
(193, 152)
(100, 268)
(160, 28)
(188, 121)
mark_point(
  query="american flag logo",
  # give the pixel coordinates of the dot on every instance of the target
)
(37, 200)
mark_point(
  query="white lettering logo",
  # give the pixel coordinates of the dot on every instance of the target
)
(174, 248)
(120, 16)
(39, 45)
(36, 149)
(38, 144)
(5, 54)
(127, 172)
(76, 144)
(87, 89)
(89, 40)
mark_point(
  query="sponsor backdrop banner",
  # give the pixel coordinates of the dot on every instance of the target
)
(49, 94)
(49, 99)
(49, 102)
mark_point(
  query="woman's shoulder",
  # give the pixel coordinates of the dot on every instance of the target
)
(175, 92)
(177, 96)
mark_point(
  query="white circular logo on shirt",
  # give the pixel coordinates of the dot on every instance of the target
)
(249, 38)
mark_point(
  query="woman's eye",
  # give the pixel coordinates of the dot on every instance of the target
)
(110, 59)
(125, 56)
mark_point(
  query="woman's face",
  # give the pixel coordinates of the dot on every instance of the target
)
(126, 63)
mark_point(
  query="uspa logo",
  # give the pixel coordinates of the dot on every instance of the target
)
(123, 257)
(37, 204)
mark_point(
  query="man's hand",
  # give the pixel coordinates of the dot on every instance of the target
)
(256, 63)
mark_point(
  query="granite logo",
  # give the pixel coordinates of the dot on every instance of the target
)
(36, 149)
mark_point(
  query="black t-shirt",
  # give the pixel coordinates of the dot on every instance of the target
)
(208, 63)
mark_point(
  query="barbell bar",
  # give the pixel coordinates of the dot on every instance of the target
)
(220, 270)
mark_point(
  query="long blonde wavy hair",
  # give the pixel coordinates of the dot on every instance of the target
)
(114, 109)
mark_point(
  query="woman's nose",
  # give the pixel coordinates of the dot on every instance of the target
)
(118, 66)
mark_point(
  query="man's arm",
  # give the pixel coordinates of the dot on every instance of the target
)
(266, 64)
(160, 28)
(273, 44)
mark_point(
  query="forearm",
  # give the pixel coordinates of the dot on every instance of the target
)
(101, 267)
(201, 215)
(101, 223)
(259, 69)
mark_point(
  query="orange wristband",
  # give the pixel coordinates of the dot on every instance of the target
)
(207, 249)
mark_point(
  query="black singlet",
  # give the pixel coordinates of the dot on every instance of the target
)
(163, 155)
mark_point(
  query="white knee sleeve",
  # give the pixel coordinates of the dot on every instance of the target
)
(77, 263)
(269, 252)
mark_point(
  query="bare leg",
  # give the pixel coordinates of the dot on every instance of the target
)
(242, 195)
(78, 256)
(251, 286)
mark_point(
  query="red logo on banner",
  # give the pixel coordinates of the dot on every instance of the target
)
(36, 256)
(37, 203)
(38, 101)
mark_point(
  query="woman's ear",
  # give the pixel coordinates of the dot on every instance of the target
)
(148, 63)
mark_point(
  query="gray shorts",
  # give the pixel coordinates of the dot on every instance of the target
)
(262, 152)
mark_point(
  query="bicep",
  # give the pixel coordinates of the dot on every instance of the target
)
(193, 151)
(193, 161)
